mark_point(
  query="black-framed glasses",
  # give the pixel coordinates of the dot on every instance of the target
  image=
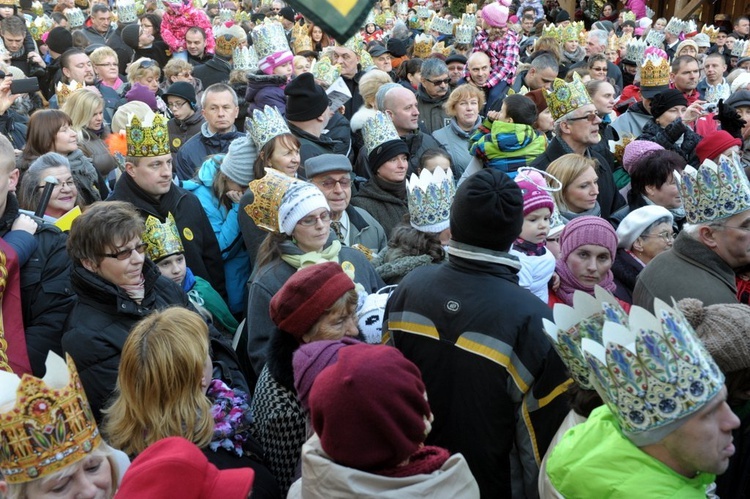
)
(330, 183)
(124, 254)
(175, 104)
(666, 235)
(311, 220)
(446, 81)
(591, 117)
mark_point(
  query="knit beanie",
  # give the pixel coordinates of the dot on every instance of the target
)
(396, 47)
(496, 14)
(637, 221)
(369, 409)
(59, 40)
(723, 329)
(562, 16)
(271, 62)
(666, 100)
(487, 211)
(239, 160)
(385, 152)
(686, 43)
(130, 35)
(534, 197)
(587, 230)
(306, 295)
(306, 100)
(740, 83)
(310, 359)
(183, 90)
(299, 200)
(121, 118)
(636, 151)
(143, 94)
(287, 13)
(714, 143)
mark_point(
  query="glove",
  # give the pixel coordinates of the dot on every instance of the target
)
(730, 120)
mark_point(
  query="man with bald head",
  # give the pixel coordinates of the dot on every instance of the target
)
(478, 74)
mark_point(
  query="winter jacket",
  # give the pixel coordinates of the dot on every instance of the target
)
(419, 142)
(226, 226)
(471, 317)
(86, 177)
(625, 269)
(194, 152)
(265, 90)
(311, 146)
(322, 477)
(202, 252)
(455, 140)
(384, 205)
(668, 137)
(595, 460)
(123, 51)
(95, 37)
(339, 131)
(182, 131)
(12, 128)
(46, 295)
(215, 70)
(356, 101)
(95, 148)
(688, 270)
(432, 116)
(632, 121)
(507, 146)
(365, 230)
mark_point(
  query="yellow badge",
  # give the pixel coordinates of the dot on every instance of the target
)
(176, 142)
(188, 234)
(348, 268)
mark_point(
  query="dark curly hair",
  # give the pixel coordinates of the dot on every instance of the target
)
(407, 241)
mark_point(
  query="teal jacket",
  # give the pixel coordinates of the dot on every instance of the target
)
(507, 146)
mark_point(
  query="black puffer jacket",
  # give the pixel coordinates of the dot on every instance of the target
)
(666, 137)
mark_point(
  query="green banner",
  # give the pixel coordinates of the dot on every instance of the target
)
(341, 19)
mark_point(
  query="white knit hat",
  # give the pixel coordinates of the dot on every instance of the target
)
(637, 221)
(299, 200)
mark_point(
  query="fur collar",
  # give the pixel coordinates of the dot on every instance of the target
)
(359, 118)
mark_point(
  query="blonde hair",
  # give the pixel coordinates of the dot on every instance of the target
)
(566, 169)
(98, 55)
(81, 106)
(175, 67)
(159, 391)
(137, 73)
(460, 93)
(370, 84)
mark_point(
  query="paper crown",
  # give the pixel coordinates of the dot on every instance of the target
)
(471, 8)
(265, 125)
(37, 8)
(268, 193)
(14, 3)
(370, 19)
(464, 34)
(45, 424)
(628, 16)
(440, 48)
(378, 130)
(655, 38)
(75, 17)
(714, 192)
(613, 42)
(225, 15)
(712, 32)
(269, 38)
(571, 32)
(653, 373)
(469, 20)
(302, 43)
(442, 25)
(403, 8)
(39, 26)
(241, 16)
(147, 139)
(225, 35)
(741, 49)
(565, 98)
(634, 51)
(585, 319)
(83, 4)
(650, 13)
(300, 30)
(423, 45)
(325, 71)
(675, 26)
(244, 58)
(126, 11)
(654, 71)
(64, 90)
(383, 18)
(423, 12)
(552, 31)
(430, 199)
(690, 28)
(617, 148)
(163, 239)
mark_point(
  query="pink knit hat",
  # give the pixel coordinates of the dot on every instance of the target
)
(496, 14)
(636, 151)
(534, 197)
(587, 230)
(271, 62)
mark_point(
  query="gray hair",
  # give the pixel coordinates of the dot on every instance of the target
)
(658, 221)
(599, 35)
(28, 192)
(382, 94)
(545, 61)
(217, 88)
(400, 30)
(433, 67)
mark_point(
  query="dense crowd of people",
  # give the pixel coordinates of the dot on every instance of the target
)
(486, 250)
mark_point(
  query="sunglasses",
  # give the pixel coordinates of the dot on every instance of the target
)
(440, 82)
(147, 64)
(125, 254)
(591, 117)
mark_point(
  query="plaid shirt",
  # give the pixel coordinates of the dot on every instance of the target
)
(503, 56)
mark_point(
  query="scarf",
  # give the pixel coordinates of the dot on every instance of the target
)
(475, 253)
(398, 189)
(576, 56)
(569, 284)
(528, 248)
(136, 292)
(232, 418)
(596, 211)
(425, 461)
(329, 254)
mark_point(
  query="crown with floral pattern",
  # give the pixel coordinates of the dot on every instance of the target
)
(268, 193)
(585, 319)
(147, 139)
(326, 71)
(227, 39)
(163, 239)
(378, 130)
(714, 191)
(430, 196)
(741, 49)
(675, 26)
(265, 125)
(712, 32)
(634, 51)
(571, 32)
(269, 38)
(469, 20)
(244, 59)
(126, 11)
(655, 38)
(37, 8)
(442, 25)
(45, 424)
(226, 15)
(423, 45)
(613, 42)
(402, 8)
(39, 26)
(65, 90)
(302, 43)
(75, 17)
(382, 18)
(464, 34)
(617, 148)
(423, 12)
(654, 70)
(552, 31)
(440, 48)
(628, 16)
(565, 97)
(652, 373)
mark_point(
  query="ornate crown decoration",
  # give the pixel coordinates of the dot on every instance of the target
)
(617, 148)
(378, 130)
(403, 8)
(653, 373)
(423, 12)
(244, 58)
(325, 71)
(655, 38)
(64, 90)
(75, 17)
(471, 8)
(650, 13)
(83, 4)
(302, 43)
(226, 38)
(570, 33)
(300, 30)
(654, 71)
(39, 26)
(628, 16)
(423, 45)
(585, 319)
(269, 38)
(430, 197)
(126, 11)
(713, 192)
(740, 48)
(370, 19)
(675, 26)
(442, 25)
(268, 193)
(552, 31)
(45, 424)
(712, 32)
(440, 48)
(565, 98)
(469, 20)
(464, 34)
(613, 42)
(147, 140)
(37, 8)
(690, 28)
(163, 239)
(635, 50)
(265, 125)
(15, 3)
(382, 18)
(225, 15)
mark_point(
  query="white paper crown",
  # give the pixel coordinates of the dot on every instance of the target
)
(269, 38)
(245, 59)
(740, 48)
(634, 51)
(442, 25)
(655, 38)
(653, 374)
(75, 17)
(403, 8)
(423, 12)
(226, 15)
(714, 192)
(265, 125)
(690, 28)
(650, 13)
(464, 34)
(469, 20)
(378, 130)
(430, 199)
(126, 11)
(675, 26)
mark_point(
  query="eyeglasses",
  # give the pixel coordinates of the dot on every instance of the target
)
(330, 183)
(184, 75)
(59, 186)
(311, 220)
(666, 235)
(175, 104)
(590, 116)
(124, 254)
(600, 70)
(439, 82)
(107, 65)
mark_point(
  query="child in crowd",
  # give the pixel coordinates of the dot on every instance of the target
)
(434, 158)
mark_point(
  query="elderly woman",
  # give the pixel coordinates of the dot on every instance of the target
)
(106, 66)
(166, 388)
(180, 70)
(579, 178)
(669, 128)
(143, 84)
(462, 107)
(64, 196)
(642, 234)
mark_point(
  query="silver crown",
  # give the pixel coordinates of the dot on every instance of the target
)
(655, 38)
(269, 38)
(265, 125)
(442, 25)
(226, 15)
(634, 51)
(430, 199)
(126, 11)
(675, 26)
(464, 34)
(75, 17)
(245, 59)
(740, 48)
(469, 20)
(378, 130)
(423, 12)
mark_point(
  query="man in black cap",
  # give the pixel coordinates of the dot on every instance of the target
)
(186, 120)
(483, 349)
(286, 16)
(59, 40)
(456, 65)
(307, 114)
(562, 18)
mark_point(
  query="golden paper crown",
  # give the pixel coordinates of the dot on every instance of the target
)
(163, 239)
(654, 71)
(628, 16)
(565, 98)
(265, 125)
(423, 46)
(325, 71)
(300, 30)
(302, 43)
(64, 90)
(570, 33)
(440, 48)
(613, 43)
(268, 193)
(552, 31)
(228, 37)
(39, 26)
(45, 424)
(712, 32)
(37, 8)
(82, 4)
(147, 140)
(617, 148)
(471, 8)
(12, 3)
